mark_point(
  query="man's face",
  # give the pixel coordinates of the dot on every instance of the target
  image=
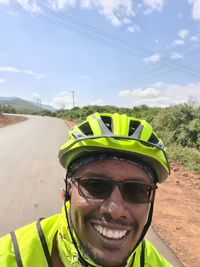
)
(109, 229)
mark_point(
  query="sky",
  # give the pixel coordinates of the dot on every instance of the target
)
(101, 52)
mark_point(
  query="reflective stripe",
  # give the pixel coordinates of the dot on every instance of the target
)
(142, 255)
(44, 243)
(16, 249)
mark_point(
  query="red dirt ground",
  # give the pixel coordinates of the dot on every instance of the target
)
(6, 120)
(177, 214)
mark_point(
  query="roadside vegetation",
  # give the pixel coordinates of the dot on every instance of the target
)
(178, 125)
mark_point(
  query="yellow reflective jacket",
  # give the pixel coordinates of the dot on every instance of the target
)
(31, 246)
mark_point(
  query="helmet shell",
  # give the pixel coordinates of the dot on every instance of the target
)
(116, 134)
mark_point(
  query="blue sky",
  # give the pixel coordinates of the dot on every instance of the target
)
(109, 52)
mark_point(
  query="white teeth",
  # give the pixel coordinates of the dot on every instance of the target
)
(113, 234)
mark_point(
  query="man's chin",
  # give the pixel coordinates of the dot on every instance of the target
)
(100, 258)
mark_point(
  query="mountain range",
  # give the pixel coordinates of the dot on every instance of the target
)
(21, 104)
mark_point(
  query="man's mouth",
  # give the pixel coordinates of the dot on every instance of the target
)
(110, 233)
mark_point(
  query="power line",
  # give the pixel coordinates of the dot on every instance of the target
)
(107, 38)
(117, 40)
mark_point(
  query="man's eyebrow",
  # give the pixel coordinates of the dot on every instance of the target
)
(138, 179)
(90, 174)
(94, 174)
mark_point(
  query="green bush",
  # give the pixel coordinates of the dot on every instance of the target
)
(179, 124)
(189, 157)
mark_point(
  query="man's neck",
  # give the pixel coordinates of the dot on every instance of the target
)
(55, 257)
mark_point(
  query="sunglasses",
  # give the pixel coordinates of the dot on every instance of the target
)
(101, 188)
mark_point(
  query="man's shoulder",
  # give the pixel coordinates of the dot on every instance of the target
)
(27, 236)
(153, 258)
(47, 223)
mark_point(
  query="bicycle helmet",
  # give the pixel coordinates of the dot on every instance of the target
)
(116, 134)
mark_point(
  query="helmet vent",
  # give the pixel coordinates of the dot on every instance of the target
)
(107, 121)
(133, 126)
(86, 129)
(153, 139)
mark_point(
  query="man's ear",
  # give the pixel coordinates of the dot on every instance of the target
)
(69, 187)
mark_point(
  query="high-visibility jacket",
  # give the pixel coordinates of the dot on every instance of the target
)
(31, 246)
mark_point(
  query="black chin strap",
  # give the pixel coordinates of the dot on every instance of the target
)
(81, 259)
(147, 225)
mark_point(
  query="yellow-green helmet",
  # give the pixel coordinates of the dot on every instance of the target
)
(118, 135)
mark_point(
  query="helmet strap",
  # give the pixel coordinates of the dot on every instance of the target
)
(81, 259)
(67, 195)
(147, 225)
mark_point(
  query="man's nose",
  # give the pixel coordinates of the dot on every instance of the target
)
(115, 206)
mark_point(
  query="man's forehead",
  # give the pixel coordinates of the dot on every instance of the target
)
(81, 164)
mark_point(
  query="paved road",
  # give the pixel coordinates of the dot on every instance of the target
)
(31, 177)
(163, 248)
(30, 174)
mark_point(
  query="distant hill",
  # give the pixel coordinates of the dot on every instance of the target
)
(47, 107)
(21, 104)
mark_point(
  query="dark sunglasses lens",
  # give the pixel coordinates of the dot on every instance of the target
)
(136, 193)
(95, 188)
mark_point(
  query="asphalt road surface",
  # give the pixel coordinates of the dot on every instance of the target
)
(30, 173)
(31, 176)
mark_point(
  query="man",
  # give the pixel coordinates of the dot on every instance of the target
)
(113, 164)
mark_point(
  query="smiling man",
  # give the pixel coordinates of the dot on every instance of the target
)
(109, 209)
(113, 164)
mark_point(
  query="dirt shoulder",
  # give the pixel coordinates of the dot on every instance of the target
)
(177, 214)
(70, 124)
(6, 120)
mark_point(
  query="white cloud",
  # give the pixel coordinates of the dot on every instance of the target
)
(162, 94)
(60, 4)
(86, 3)
(35, 95)
(183, 33)
(194, 38)
(10, 69)
(2, 80)
(98, 102)
(64, 100)
(36, 75)
(147, 93)
(29, 5)
(153, 58)
(134, 28)
(118, 12)
(176, 55)
(126, 21)
(195, 9)
(4, 2)
(153, 5)
(179, 42)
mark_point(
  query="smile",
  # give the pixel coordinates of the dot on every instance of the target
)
(110, 233)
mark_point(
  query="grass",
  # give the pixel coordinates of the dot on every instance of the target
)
(189, 157)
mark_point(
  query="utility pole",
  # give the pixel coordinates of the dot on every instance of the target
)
(39, 104)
